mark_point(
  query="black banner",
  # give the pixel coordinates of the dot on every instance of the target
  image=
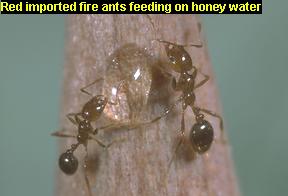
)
(132, 7)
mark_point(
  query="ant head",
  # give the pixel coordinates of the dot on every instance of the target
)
(94, 107)
(68, 163)
(179, 58)
(201, 136)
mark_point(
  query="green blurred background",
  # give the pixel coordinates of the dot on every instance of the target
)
(249, 54)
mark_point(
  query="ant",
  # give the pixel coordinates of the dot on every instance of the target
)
(90, 112)
(202, 133)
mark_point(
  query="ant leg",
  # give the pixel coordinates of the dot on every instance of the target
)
(99, 142)
(182, 134)
(158, 117)
(194, 74)
(99, 128)
(175, 84)
(199, 45)
(136, 125)
(102, 144)
(103, 128)
(83, 90)
(75, 120)
(60, 134)
(203, 81)
(86, 173)
(187, 45)
(212, 114)
(150, 20)
(115, 141)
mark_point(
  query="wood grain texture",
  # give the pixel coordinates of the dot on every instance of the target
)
(138, 166)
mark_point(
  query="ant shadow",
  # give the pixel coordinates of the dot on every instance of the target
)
(185, 153)
(93, 165)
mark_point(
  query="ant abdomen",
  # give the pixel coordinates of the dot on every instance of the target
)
(201, 136)
(68, 163)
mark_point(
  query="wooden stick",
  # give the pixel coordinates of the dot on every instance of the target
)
(138, 166)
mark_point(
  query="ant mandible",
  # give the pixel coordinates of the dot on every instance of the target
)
(201, 134)
(90, 112)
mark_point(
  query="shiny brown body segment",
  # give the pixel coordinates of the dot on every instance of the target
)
(201, 134)
(91, 112)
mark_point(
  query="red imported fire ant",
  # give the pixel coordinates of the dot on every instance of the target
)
(91, 112)
(201, 134)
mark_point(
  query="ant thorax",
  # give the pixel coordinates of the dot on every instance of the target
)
(185, 82)
(128, 79)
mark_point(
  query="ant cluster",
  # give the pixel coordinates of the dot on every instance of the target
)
(201, 133)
